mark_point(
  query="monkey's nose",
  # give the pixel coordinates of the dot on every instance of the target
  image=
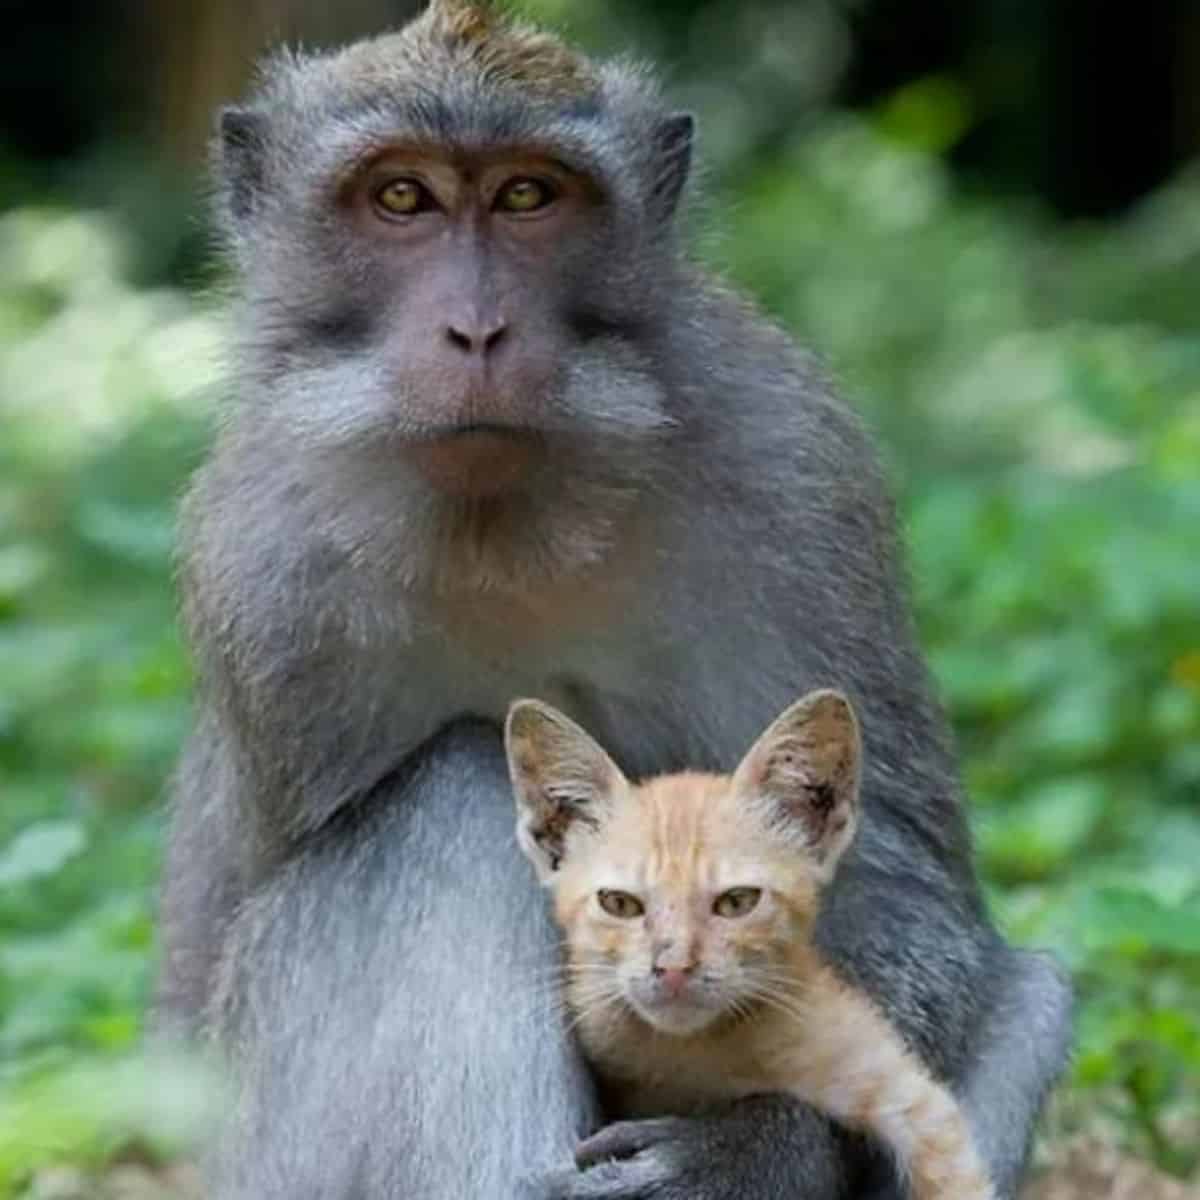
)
(476, 336)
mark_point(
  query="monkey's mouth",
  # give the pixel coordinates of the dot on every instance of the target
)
(475, 460)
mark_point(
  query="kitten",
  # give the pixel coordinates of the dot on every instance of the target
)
(688, 904)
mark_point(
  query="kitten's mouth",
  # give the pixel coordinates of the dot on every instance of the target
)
(679, 1015)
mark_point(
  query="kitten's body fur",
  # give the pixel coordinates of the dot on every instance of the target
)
(773, 1015)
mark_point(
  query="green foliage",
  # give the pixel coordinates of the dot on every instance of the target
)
(99, 425)
(1038, 394)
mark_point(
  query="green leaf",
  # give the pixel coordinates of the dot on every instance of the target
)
(1135, 922)
(41, 850)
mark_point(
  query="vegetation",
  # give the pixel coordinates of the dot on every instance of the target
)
(1037, 393)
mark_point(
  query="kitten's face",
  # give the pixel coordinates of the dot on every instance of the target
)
(683, 899)
(681, 906)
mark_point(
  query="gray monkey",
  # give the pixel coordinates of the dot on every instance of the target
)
(495, 435)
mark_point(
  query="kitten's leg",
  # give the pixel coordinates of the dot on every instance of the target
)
(854, 1066)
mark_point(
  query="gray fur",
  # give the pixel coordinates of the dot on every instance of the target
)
(397, 1084)
(708, 537)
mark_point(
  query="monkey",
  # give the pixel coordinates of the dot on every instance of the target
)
(493, 432)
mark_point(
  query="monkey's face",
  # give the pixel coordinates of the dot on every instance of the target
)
(479, 362)
(456, 251)
(472, 255)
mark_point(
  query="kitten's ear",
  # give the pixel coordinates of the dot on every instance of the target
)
(806, 767)
(560, 776)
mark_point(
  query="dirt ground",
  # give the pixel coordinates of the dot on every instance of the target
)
(1088, 1169)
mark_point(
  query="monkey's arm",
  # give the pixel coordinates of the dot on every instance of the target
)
(384, 992)
(1020, 1051)
(202, 882)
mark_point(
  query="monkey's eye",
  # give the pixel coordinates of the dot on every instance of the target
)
(402, 198)
(737, 902)
(620, 904)
(524, 195)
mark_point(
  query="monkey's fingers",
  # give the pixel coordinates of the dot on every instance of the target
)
(624, 1139)
(637, 1179)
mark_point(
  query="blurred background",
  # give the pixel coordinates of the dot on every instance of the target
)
(983, 212)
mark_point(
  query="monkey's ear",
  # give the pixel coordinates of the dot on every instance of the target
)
(674, 138)
(560, 778)
(241, 158)
(806, 768)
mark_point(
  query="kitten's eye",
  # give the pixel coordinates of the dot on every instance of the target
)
(524, 195)
(399, 198)
(737, 902)
(620, 904)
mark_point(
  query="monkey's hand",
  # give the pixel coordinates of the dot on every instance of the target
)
(761, 1148)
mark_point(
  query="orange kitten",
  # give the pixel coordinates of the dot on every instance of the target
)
(688, 904)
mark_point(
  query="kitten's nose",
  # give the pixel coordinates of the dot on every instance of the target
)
(672, 980)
